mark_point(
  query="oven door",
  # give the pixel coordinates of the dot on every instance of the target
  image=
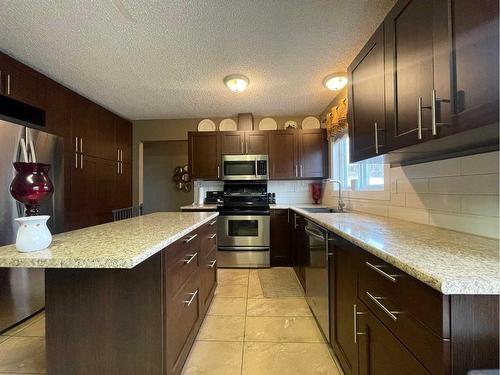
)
(249, 232)
(244, 167)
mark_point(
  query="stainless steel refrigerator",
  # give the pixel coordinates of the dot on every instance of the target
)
(22, 290)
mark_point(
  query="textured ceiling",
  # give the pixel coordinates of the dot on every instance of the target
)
(167, 59)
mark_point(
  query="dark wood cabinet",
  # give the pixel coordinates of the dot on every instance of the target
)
(106, 145)
(312, 153)
(367, 100)
(298, 248)
(204, 155)
(58, 102)
(123, 131)
(21, 83)
(232, 143)
(84, 115)
(257, 142)
(283, 155)
(280, 238)
(379, 351)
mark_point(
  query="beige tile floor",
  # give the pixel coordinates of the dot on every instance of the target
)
(244, 333)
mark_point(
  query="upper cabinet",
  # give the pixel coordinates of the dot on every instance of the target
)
(366, 98)
(204, 155)
(22, 83)
(429, 72)
(293, 154)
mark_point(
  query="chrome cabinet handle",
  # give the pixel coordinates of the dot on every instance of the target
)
(81, 161)
(8, 84)
(212, 223)
(375, 125)
(211, 237)
(76, 144)
(256, 168)
(377, 269)
(190, 259)
(296, 170)
(376, 300)
(76, 160)
(246, 148)
(190, 238)
(301, 170)
(118, 167)
(81, 144)
(190, 301)
(118, 155)
(212, 264)
(355, 323)
(419, 118)
(121, 167)
(121, 155)
(433, 112)
(218, 171)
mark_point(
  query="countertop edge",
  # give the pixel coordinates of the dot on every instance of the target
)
(447, 287)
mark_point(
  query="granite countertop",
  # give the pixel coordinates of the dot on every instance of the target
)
(121, 244)
(279, 206)
(448, 261)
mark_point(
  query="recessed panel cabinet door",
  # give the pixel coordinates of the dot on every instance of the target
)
(84, 125)
(58, 113)
(257, 143)
(232, 143)
(312, 150)
(280, 238)
(204, 155)
(283, 155)
(123, 130)
(379, 351)
(409, 71)
(367, 100)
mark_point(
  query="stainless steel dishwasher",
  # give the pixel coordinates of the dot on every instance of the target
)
(317, 293)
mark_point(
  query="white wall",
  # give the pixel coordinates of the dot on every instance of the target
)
(459, 194)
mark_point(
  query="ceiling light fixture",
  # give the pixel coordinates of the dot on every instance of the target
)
(236, 82)
(335, 81)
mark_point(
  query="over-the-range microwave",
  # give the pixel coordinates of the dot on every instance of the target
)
(245, 167)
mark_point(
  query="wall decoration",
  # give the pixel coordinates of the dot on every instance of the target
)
(336, 121)
(182, 179)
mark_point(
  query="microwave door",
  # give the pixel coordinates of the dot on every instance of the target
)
(239, 170)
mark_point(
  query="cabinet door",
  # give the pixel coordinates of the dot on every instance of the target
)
(379, 351)
(280, 238)
(58, 113)
(107, 189)
(232, 143)
(345, 273)
(83, 192)
(473, 32)
(409, 71)
(21, 83)
(312, 151)
(84, 125)
(366, 100)
(299, 248)
(204, 155)
(124, 186)
(283, 155)
(257, 143)
(123, 129)
(105, 142)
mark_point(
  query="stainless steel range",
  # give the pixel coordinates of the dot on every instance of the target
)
(243, 226)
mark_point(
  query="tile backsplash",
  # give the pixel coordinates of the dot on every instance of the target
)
(459, 194)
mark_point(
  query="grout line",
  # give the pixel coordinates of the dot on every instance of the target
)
(245, 326)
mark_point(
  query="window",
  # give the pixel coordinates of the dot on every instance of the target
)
(364, 175)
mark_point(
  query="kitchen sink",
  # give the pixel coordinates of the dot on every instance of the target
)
(322, 210)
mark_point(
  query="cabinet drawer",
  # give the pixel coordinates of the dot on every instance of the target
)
(208, 238)
(182, 261)
(208, 279)
(183, 311)
(414, 312)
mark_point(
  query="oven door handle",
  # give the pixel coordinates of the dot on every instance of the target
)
(244, 248)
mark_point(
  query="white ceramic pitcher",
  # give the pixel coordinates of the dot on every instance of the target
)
(33, 234)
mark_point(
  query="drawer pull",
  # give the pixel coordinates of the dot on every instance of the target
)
(392, 314)
(386, 275)
(190, 301)
(191, 257)
(213, 222)
(212, 264)
(355, 320)
(190, 238)
(211, 237)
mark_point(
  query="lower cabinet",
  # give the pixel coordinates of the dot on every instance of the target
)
(280, 238)
(379, 351)
(298, 248)
(191, 278)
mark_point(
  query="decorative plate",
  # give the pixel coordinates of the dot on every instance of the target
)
(268, 123)
(291, 124)
(206, 125)
(311, 122)
(228, 124)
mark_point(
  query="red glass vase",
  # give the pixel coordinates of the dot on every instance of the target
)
(31, 185)
(316, 192)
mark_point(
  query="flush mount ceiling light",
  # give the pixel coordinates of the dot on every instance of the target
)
(236, 82)
(335, 81)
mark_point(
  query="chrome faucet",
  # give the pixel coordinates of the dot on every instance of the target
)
(341, 203)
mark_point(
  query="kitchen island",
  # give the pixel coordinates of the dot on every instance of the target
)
(126, 297)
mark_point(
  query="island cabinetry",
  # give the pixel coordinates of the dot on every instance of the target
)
(280, 238)
(141, 320)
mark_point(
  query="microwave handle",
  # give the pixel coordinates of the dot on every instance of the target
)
(256, 169)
